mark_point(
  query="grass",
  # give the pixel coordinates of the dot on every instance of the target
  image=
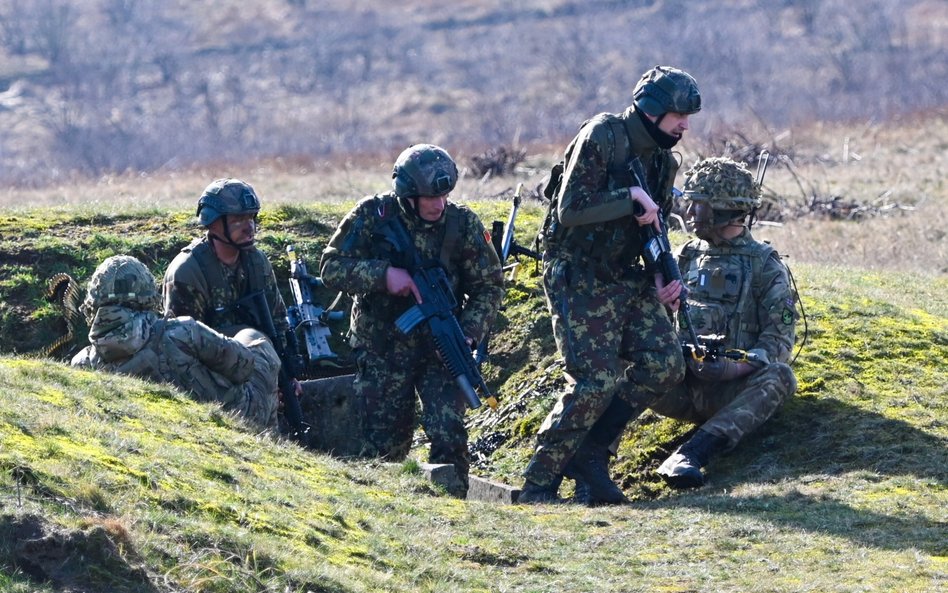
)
(124, 485)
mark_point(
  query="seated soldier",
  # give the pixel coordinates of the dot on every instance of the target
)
(128, 336)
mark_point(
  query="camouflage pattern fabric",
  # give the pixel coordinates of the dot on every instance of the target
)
(240, 373)
(392, 366)
(616, 338)
(617, 341)
(209, 293)
(730, 409)
(741, 290)
(755, 314)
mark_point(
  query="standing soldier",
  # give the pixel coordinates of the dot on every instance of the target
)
(617, 339)
(128, 336)
(208, 278)
(392, 367)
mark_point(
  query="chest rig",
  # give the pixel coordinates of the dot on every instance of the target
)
(724, 287)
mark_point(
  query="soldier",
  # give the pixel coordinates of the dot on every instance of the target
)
(128, 336)
(740, 292)
(393, 367)
(739, 289)
(618, 342)
(208, 277)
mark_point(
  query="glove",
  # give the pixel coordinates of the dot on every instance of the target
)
(718, 369)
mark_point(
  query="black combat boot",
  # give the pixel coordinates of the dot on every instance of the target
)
(533, 493)
(682, 469)
(591, 465)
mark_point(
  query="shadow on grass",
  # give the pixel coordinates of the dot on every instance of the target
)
(813, 439)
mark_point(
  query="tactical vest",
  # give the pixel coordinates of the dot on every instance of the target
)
(386, 205)
(222, 294)
(612, 242)
(724, 288)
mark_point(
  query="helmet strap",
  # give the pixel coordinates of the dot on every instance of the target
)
(227, 239)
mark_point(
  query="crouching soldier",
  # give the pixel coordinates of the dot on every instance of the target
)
(740, 292)
(128, 336)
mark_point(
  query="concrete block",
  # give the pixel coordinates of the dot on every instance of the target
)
(486, 490)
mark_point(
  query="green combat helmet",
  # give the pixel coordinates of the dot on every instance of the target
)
(124, 281)
(663, 89)
(424, 170)
(727, 186)
(226, 196)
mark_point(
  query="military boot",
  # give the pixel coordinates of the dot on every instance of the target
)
(682, 469)
(533, 493)
(591, 465)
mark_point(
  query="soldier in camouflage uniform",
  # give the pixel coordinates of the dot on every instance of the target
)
(393, 367)
(740, 291)
(617, 339)
(129, 337)
(208, 277)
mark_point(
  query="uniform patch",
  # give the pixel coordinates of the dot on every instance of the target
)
(787, 316)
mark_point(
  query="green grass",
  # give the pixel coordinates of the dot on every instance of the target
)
(844, 490)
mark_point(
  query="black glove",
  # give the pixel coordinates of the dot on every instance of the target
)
(711, 370)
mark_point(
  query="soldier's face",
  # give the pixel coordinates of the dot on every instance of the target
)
(674, 124)
(242, 227)
(700, 217)
(431, 208)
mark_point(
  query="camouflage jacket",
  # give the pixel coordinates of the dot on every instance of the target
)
(198, 285)
(742, 291)
(181, 351)
(593, 213)
(357, 257)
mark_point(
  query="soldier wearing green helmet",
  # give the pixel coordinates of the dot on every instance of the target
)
(392, 367)
(210, 275)
(742, 301)
(128, 336)
(617, 340)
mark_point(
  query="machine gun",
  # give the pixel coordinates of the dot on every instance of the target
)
(437, 309)
(658, 256)
(305, 314)
(502, 236)
(254, 309)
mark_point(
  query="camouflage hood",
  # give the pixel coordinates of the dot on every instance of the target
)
(119, 332)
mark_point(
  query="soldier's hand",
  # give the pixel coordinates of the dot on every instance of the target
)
(718, 369)
(668, 294)
(398, 282)
(649, 209)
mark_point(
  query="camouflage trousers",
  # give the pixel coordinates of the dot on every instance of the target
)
(261, 399)
(387, 381)
(730, 409)
(617, 341)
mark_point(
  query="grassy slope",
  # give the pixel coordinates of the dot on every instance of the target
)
(845, 490)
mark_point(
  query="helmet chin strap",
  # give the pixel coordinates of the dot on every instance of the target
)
(227, 239)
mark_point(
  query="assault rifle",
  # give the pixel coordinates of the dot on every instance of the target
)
(658, 255)
(437, 309)
(502, 238)
(305, 314)
(255, 310)
(712, 346)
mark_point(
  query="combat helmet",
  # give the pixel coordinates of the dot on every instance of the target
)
(424, 170)
(725, 185)
(663, 89)
(121, 280)
(226, 196)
